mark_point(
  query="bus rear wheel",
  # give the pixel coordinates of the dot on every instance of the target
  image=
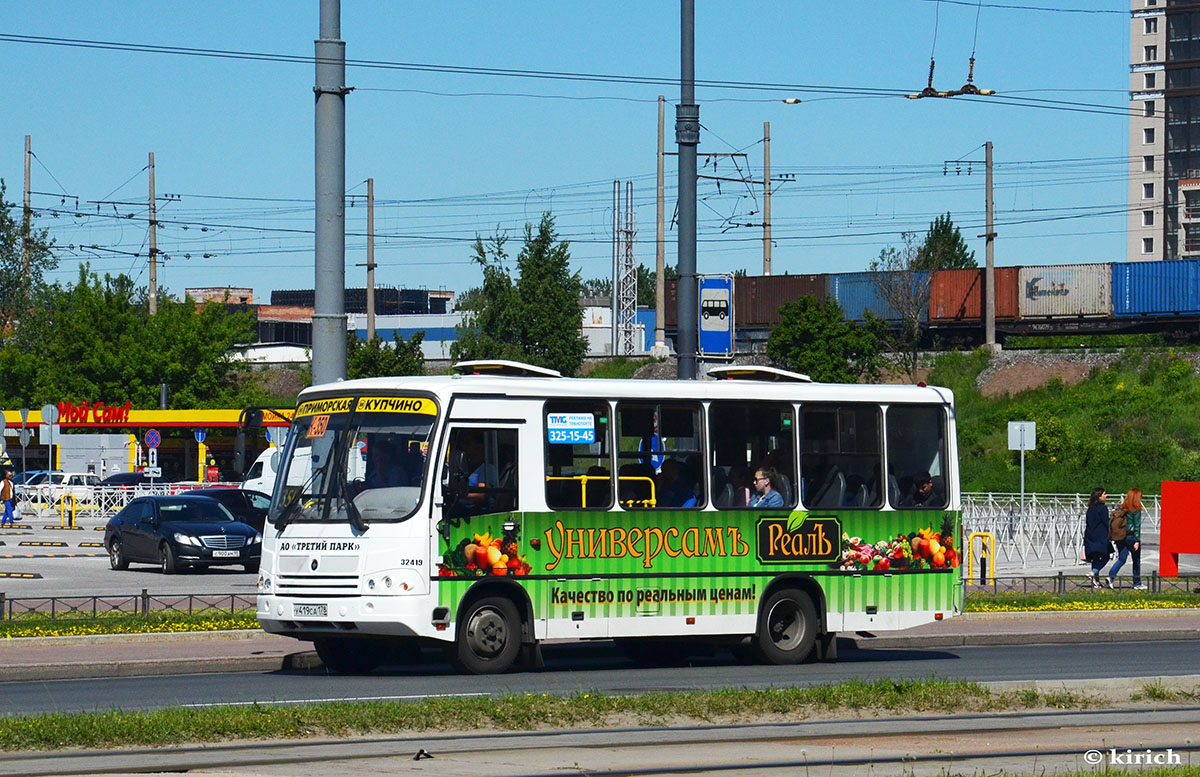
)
(489, 636)
(351, 656)
(787, 627)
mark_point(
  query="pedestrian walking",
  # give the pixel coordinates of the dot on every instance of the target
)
(1130, 545)
(8, 493)
(1097, 548)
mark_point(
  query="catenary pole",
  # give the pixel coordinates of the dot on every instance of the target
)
(153, 244)
(28, 213)
(766, 198)
(370, 259)
(329, 303)
(660, 253)
(687, 136)
(989, 286)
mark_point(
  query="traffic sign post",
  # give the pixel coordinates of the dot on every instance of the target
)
(1022, 436)
(50, 424)
(715, 313)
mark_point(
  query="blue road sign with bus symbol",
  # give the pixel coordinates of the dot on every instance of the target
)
(716, 315)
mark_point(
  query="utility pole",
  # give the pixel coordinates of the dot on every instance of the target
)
(766, 198)
(153, 245)
(329, 308)
(687, 136)
(616, 266)
(25, 221)
(370, 259)
(660, 282)
(990, 281)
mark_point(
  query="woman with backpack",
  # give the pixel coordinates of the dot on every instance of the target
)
(1126, 521)
(1096, 547)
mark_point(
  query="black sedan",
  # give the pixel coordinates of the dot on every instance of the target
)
(249, 507)
(180, 531)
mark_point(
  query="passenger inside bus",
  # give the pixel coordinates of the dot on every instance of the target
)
(675, 485)
(390, 464)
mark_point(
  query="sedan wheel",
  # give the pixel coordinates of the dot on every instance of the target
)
(116, 555)
(167, 558)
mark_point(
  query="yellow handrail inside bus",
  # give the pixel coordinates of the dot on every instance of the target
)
(583, 481)
(987, 545)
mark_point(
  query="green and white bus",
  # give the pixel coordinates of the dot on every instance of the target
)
(505, 505)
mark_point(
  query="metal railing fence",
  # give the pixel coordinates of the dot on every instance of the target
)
(97, 502)
(1047, 528)
(139, 604)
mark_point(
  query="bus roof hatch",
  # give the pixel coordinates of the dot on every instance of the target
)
(504, 367)
(754, 372)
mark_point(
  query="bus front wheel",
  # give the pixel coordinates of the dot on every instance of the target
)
(489, 636)
(787, 627)
(350, 656)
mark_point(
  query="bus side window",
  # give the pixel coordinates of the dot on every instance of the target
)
(916, 438)
(747, 436)
(661, 464)
(841, 456)
(491, 470)
(578, 466)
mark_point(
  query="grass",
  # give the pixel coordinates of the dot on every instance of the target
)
(166, 727)
(1099, 600)
(619, 367)
(1136, 423)
(33, 624)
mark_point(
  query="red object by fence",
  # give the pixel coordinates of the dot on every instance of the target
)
(1180, 531)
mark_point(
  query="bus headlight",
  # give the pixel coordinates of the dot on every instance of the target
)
(264, 584)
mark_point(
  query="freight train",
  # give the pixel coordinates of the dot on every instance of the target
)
(1102, 298)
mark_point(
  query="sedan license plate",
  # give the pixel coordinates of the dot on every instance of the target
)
(310, 610)
(225, 554)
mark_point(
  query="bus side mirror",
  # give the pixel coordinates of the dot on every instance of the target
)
(239, 453)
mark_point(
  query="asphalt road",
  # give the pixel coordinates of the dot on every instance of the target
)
(582, 668)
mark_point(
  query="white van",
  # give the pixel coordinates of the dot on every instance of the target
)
(262, 473)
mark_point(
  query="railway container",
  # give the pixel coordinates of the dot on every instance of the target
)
(862, 292)
(957, 295)
(757, 300)
(1170, 288)
(1065, 291)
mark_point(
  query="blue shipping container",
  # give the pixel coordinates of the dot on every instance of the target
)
(859, 292)
(1164, 288)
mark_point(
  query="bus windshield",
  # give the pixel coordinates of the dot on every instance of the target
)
(358, 459)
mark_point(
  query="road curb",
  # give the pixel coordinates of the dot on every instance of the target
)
(1024, 638)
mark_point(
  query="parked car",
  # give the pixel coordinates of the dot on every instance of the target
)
(127, 479)
(52, 486)
(180, 531)
(249, 507)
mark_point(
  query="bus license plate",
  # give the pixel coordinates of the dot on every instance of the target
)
(225, 554)
(310, 610)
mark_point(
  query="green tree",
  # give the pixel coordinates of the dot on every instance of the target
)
(944, 247)
(96, 340)
(18, 286)
(535, 318)
(813, 337)
(374, 358)
(549, 297)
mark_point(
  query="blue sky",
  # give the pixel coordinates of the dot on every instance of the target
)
(453, 155)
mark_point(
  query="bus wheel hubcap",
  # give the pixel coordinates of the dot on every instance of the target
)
(784, 624)
(488, 633)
